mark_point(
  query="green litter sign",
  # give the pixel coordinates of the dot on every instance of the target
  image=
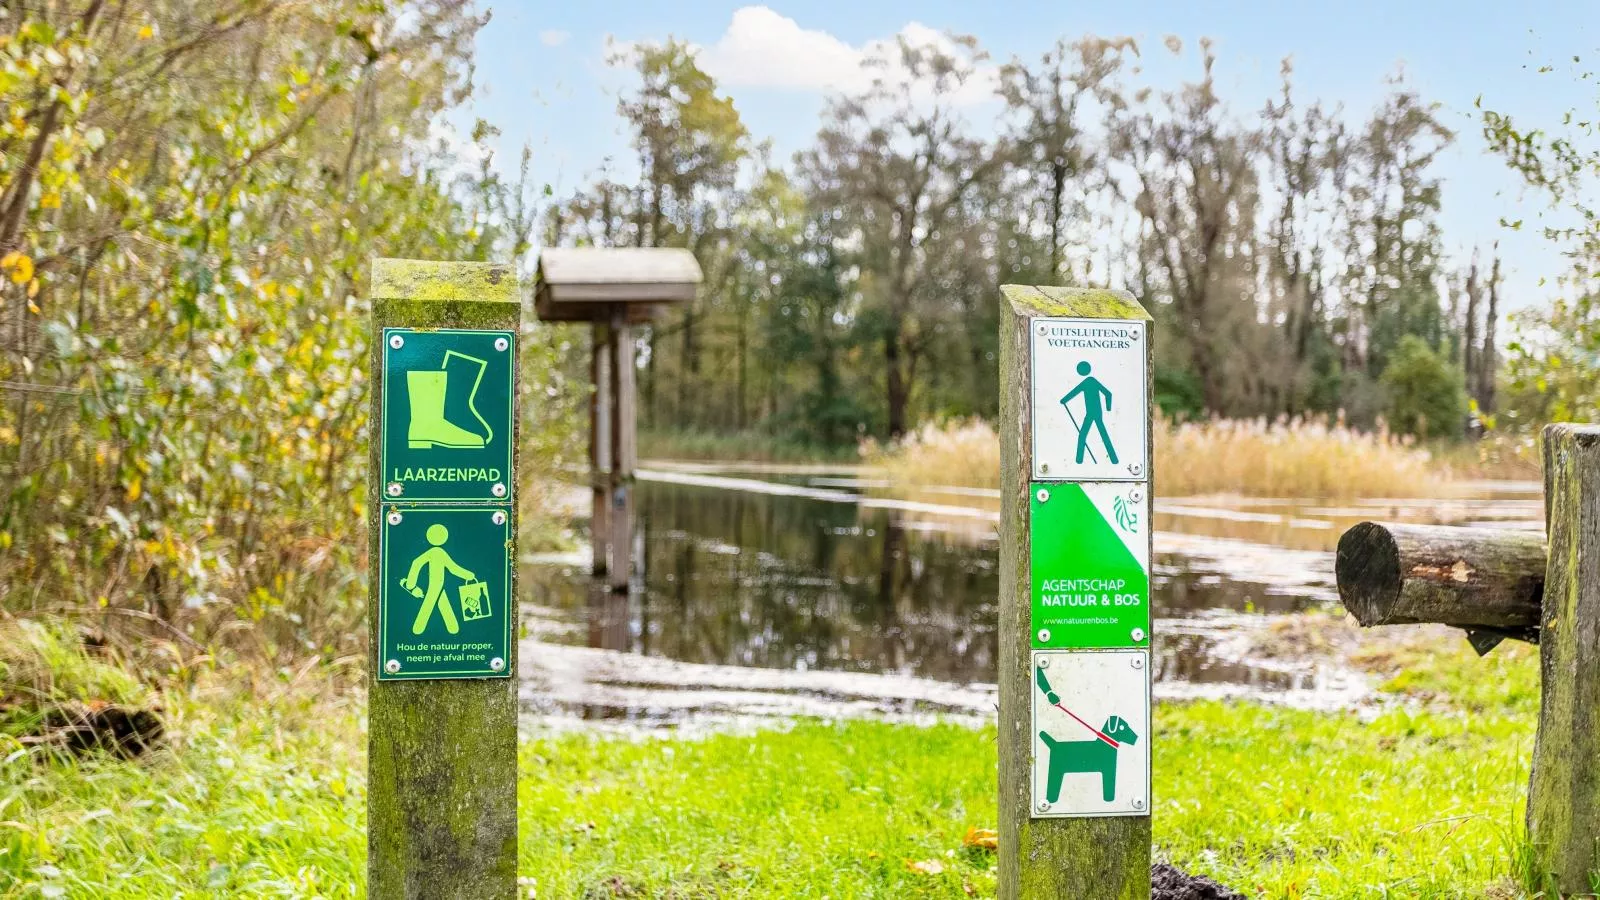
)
(447, 404)
(1090, 562)
(444, 599)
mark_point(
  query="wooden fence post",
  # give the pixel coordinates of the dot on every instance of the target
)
(1075, 458)
(1564, 787)
(442, 719)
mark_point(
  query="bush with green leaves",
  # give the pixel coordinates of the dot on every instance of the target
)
(1423, 392)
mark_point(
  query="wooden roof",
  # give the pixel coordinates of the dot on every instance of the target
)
(580, 284)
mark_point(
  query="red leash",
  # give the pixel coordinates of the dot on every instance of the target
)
(1097, 732)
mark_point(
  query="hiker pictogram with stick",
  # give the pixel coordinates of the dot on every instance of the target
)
(1097, 755)
(1096, 403)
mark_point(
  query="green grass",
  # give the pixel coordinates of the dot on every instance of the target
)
(266, 798)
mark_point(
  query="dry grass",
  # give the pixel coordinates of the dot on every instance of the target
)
(1284, 458)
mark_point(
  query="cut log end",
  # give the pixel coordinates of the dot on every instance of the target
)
(1367, 567)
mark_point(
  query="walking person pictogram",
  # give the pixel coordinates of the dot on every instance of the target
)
(1096, 403)
(439, 563)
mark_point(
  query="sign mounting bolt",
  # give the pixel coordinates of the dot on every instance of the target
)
(1044, 467)
(1138, 804)
(395, 489)
(497, 664)
(1136, 496)
(396, 341)
(501, 344)
(499, 489)
(1044, 662)
(1044, 635)
(1135, 468)
(392, 666)
(394, 517)
(1137, 662)
(1138, 635)
(1043, 330)
(499, 517)
(1044, 496)
(1043, 806)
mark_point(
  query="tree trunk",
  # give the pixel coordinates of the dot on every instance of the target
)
(1486, 358)
(895, 376)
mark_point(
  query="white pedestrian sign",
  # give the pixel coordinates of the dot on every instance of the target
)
(1091, 733)
(1090, 409)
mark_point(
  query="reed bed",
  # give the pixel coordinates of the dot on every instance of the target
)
(1287, 457)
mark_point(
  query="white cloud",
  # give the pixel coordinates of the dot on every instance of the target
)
(553, 37)
(763, 48)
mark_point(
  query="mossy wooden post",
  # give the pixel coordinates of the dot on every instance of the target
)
(1564, 787)
(441, 768)
(1104, 857)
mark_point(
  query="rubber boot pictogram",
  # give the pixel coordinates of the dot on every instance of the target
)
(429, 427)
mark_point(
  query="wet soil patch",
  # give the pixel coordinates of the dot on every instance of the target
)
(1169, 883)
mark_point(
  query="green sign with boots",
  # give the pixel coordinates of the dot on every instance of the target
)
(443, 600)
(447, 404)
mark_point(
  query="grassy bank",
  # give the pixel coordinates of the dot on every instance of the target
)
(1291, 458)
(266, 799)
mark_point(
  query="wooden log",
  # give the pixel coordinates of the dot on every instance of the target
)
(441, 755)
(1470, 577)
(1564, 787)
(1107, 858)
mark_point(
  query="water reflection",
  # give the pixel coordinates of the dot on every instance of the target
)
(804, 580)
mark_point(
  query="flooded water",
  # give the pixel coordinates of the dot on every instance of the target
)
(800, 593)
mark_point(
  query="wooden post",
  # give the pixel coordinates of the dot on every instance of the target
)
(600, 448)
(1564, 787)
(442, 754)
(623, 451)
(1101, 856)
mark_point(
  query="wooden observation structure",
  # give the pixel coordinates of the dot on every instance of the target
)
(613, 289)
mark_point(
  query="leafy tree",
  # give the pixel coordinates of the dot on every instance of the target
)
(1423, 392)
(1553, 370)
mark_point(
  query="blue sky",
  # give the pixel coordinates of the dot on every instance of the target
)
(543, 79)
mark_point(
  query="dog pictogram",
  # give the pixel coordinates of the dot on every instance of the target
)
(1097, 755)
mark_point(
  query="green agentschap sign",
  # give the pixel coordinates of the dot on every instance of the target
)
(1090, 564)
(444, 599)
(447, 398)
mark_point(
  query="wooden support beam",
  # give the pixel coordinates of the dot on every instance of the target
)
(623, 451)
(1469, 577)
(600, 448)
(1564, 788)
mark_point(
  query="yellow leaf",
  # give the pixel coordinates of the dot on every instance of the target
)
(982, 838)
(925, 866)
(104, 601)
(5, 540)
(146, 33)
(33, 289)
(50, 200)
(18, 265)
(135, 488)
(33, 307)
